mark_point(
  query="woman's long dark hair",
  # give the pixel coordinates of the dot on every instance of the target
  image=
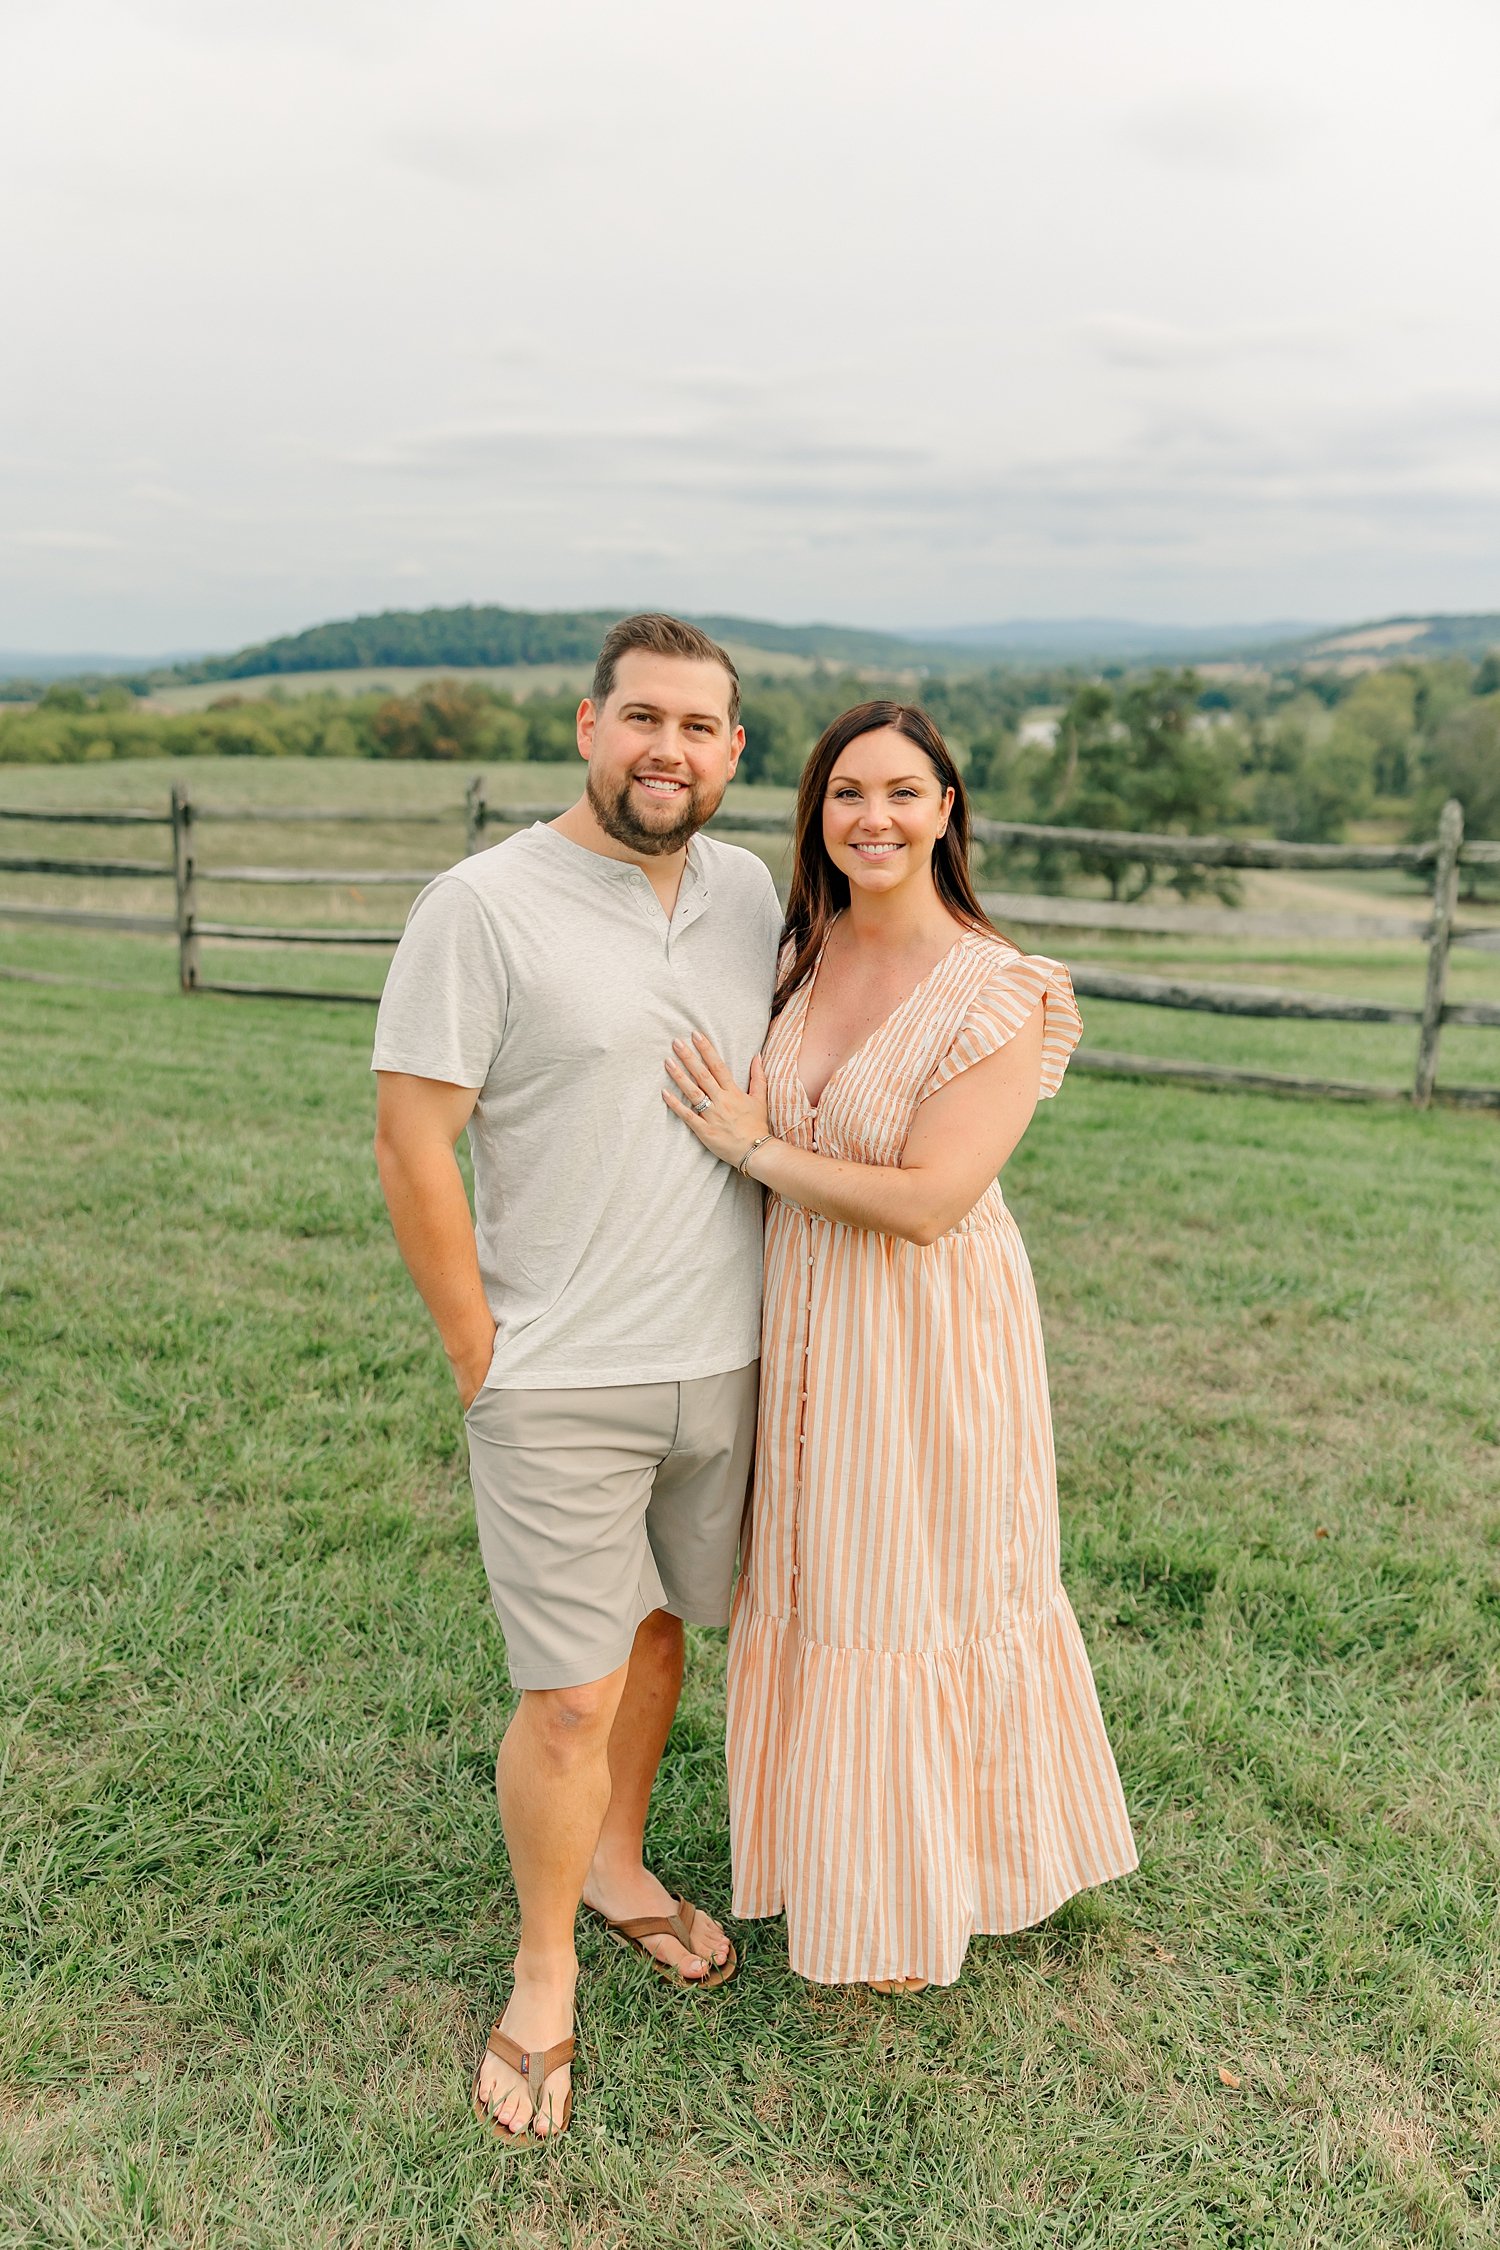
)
(819, 891)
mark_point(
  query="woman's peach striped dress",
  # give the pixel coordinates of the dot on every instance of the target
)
(916, 1751)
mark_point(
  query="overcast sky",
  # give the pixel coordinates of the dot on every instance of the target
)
(899, 312)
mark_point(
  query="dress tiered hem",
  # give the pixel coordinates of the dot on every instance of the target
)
(976, 1791)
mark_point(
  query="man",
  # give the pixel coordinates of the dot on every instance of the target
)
(601, 1313)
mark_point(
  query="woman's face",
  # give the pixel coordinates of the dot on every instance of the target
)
(883, 810)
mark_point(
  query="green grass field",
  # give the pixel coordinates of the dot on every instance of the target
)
(255, 1902)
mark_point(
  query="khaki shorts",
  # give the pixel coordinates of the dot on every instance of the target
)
(596, 1507)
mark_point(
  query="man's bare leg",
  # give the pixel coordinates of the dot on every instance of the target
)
(619, 1884)
(552, 1779)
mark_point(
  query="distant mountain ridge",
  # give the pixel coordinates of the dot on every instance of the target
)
(474, 634)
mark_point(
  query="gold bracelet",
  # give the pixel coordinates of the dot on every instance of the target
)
(750, 1151)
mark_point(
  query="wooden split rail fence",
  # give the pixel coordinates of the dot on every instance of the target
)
(1439, 929)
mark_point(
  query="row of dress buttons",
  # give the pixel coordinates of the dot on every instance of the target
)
(807, 1331)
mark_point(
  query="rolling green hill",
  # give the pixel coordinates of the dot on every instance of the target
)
(475, 635)
(484, 635)
(1394, 640)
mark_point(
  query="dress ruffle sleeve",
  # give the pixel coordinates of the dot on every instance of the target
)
(998, 1010)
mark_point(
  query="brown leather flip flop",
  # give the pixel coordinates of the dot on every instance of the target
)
(679, 1925)
(535, 2065)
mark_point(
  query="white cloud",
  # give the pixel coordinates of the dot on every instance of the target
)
(56, 540)
(482, 158)
(887, 311)
(1208, 130)
(1129, 340)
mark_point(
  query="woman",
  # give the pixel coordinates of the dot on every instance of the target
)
(915, 1746)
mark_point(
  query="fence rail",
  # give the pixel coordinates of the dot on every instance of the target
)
(1226, 851)
(84, 918)
(1031, 910)
(25, 863)
(1439, 930)
(1238, 999)
(348, 878)
(253, 815)
(273, 933)
(123, 819)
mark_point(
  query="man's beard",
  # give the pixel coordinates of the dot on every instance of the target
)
(616, 817)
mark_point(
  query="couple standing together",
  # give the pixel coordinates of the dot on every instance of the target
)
(915, 1747)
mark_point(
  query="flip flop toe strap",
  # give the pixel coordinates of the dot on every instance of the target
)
(677, 1925)
(534, 2065)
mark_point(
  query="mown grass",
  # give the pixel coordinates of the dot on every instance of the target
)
(255, 1903)
(263, 1690)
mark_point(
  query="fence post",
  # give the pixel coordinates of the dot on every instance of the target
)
(184, 872)
(1444, 899)
(476, 812)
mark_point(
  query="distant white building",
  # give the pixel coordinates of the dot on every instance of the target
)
(1038, 728)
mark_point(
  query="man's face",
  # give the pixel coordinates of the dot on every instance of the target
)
(661, 752)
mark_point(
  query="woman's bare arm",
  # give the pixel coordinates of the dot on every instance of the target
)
(962, 1136)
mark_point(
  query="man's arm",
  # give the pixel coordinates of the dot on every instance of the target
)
(417, 1124)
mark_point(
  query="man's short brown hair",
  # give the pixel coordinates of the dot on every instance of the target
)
(660, 636)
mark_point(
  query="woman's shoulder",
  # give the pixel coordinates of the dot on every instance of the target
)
(997, 961)
(1007, 985)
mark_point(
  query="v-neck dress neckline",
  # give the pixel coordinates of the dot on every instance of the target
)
(876, 1031)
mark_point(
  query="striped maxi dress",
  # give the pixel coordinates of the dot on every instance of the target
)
(916, 1751)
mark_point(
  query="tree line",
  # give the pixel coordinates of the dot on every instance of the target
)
(1296, 756)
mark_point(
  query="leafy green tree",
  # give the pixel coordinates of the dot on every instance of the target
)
(1305, 771)
(551, 723)
(1463, 761)
(240, 734)
(1376, 727)
(777, 735)
(1329, 788)
(441, 719)
(1133, 758)
(339, 739)
(506, 735)
(1442, 687)
(990, 766)
(1086, 751)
